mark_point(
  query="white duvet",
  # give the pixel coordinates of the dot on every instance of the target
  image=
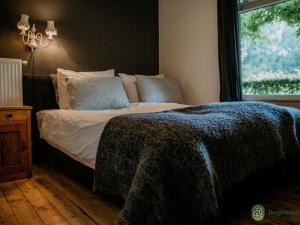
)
(77, 133)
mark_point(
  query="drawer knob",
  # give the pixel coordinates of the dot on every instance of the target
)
(9, 115)
(24, 146)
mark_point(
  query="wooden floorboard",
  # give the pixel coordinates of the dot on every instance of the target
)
(71, 212)
(21, 208)
(287, 199)
(7, 216)
(98, 209)
(41, 205)
(51, 197)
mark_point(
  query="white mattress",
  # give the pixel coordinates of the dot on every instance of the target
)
(77, 133)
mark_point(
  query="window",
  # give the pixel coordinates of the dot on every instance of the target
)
(270, 47)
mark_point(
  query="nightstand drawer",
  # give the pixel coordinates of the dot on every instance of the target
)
(13, 115)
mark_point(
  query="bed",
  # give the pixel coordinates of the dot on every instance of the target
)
(77, 133)
(171, 163)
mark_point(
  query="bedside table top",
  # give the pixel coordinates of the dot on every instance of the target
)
(24, 107)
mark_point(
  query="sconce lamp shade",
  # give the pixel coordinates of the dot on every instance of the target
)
(50, 30)
(33, 39)
(23, 24)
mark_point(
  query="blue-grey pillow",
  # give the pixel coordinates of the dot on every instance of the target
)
(164, 90)
(96, 93)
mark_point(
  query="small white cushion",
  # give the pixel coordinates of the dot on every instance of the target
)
(130, 85)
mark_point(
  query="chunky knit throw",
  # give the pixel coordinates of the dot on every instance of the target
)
(170, 166)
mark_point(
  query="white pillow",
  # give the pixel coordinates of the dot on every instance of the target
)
(130, 85)
(64, 75)
(91, 74)
(54, 82)
(106, 73)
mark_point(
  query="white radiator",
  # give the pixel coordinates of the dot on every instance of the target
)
(11, 88)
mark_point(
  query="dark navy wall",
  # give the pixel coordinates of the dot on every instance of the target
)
(93, 34)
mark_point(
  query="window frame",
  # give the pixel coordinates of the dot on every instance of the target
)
(275, 98)
(253, 5)
(257, 4)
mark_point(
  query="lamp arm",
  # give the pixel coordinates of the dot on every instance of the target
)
(39, 37)
(26, 42)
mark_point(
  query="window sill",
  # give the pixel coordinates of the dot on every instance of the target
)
(275, 98)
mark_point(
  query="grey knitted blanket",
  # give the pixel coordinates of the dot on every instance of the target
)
(170, 166)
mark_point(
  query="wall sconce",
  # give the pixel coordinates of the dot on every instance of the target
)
(32, 39)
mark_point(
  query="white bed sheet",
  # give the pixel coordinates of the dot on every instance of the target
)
(77, 133)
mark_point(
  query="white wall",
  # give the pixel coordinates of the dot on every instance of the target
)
(188, 39)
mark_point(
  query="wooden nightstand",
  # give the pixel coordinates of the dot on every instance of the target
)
(15, 143)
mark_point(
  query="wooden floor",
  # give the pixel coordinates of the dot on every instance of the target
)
(50, 197)
(285, 201)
